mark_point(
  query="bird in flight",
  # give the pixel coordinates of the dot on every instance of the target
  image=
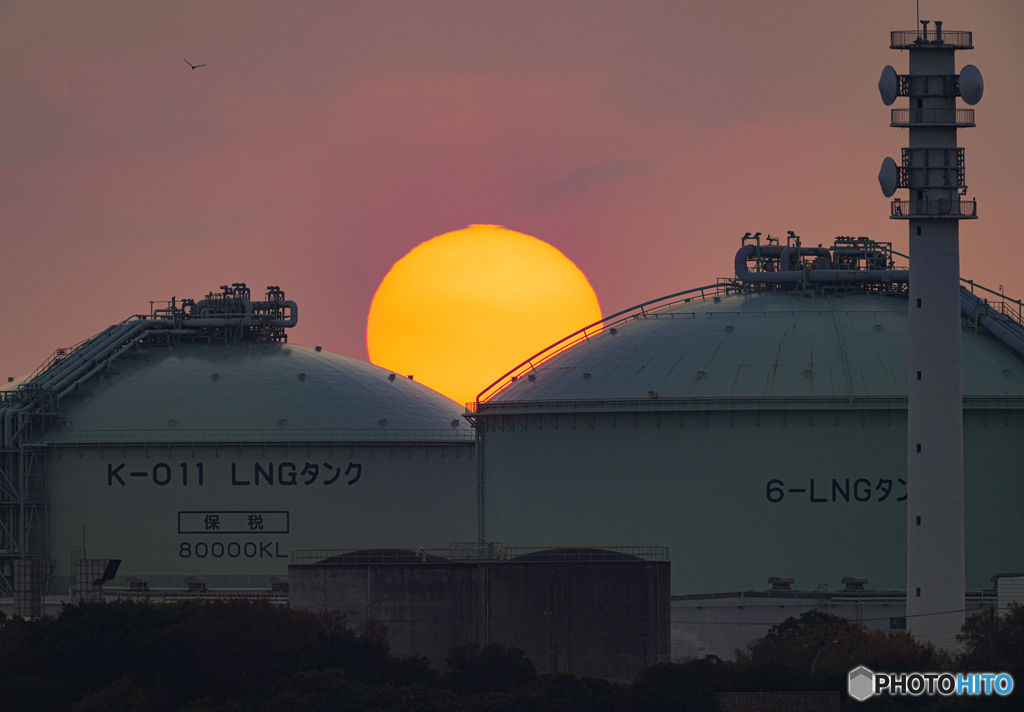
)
(194, 66)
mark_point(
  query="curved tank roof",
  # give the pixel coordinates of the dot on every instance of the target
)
(13, 383)
(251, 392)
(757, 345)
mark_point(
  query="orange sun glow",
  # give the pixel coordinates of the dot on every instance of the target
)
(463, 308)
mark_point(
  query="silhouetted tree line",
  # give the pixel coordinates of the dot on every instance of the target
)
(241, 656)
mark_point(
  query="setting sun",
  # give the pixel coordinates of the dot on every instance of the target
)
(463, 308)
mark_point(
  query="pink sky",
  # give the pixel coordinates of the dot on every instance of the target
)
(323, 141)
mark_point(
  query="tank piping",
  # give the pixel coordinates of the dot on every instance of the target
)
(293, 315)
(207, 319)
(1004, 329)
(9, 413)
(82, 356)
(127, 334)
(786, 257)
(115, 355)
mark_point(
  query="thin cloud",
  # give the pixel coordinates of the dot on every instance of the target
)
(612, 170)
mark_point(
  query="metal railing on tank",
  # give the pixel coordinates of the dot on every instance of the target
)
(1009, 308)
(640, 311)
(25, 387)
(1012, 309)
(474, 552)
(959, 209)
(949, 39)
(264, 435)
(960, 118)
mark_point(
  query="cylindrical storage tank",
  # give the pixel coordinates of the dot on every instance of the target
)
(427, 601)
(216, 460)
(751, 433)
(586, 611)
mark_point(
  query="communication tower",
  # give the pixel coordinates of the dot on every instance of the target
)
(932, 170)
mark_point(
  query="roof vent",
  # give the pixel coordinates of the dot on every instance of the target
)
(391, 376)
(409, 377)
(319, 348)
(532, 377)
(455, 423)
(781, 584)
(854, 583)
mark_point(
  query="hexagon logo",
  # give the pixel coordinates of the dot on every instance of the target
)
(861, 684)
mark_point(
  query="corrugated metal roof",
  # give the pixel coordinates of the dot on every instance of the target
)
(760, 344)
(253, 387)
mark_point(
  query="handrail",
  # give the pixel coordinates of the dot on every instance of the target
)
(202, 436)
(930, 116)
(641, 311)
(956, 209)
(575, 337)
(944, 39)
(1003, 299)
(1000, 307)
(60, 354)
(725, 403)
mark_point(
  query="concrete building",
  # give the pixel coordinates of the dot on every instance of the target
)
(1010, 589)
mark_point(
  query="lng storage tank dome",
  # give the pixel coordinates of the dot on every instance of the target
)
(196, 442)
(757, 427)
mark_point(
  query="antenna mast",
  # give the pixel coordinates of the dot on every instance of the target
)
(932, 169)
